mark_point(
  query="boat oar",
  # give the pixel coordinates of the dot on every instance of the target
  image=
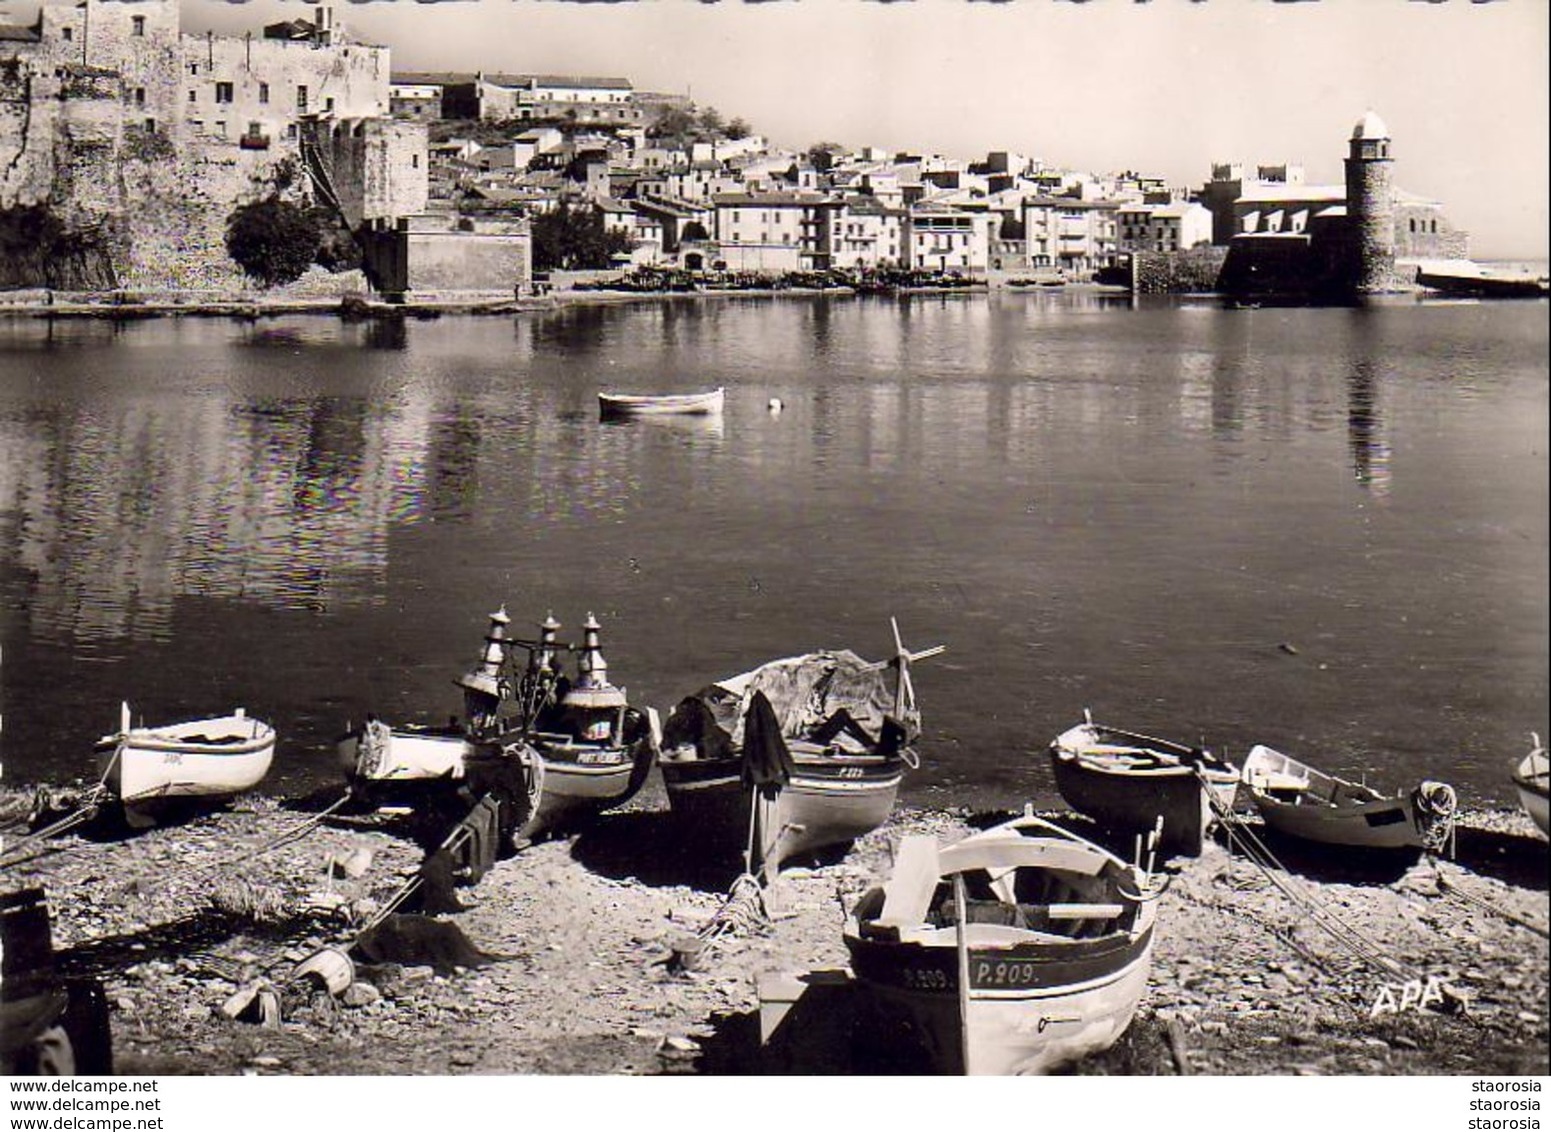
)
(960, 911)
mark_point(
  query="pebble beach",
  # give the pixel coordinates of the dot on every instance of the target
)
(595, 959)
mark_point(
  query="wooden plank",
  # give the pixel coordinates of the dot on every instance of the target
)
(907, 894)
(1081, 911)
(997, 853)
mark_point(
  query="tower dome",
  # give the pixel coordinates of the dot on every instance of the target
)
(1369, 128)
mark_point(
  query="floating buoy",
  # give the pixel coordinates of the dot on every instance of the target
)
(774, 405)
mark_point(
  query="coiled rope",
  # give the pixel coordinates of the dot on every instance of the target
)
(742, 913)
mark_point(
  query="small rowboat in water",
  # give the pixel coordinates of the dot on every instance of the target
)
(1125, 782)
(1298, 801)
(1531, 776)
(661, 404)
(214, 759)
(844, 736)
(1016, 950)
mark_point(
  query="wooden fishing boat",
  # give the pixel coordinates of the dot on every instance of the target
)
(213, 758)
(845, 735)
(1016, 950)
(661, 404)
(573, 749)
(591, 750)
(1531, 776)
(1126, 782)
(384, 761)
(1298, 801)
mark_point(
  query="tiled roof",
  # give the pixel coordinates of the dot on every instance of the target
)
(773, 200)
(560, 82)
(430, 78)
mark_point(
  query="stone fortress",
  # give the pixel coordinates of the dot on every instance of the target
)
(1365, 236)
(141, 140)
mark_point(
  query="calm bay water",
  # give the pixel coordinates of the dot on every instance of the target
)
(1322, 529)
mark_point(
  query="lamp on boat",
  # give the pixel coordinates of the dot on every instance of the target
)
(482, 684)
(595, 703)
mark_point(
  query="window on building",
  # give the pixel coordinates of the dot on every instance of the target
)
(220, 129)
(150, 125)
(301, 99)
(139, 96)
(67, 33)
(328, 106)
(255, 130)
(193, 96)
(136, 25)
(263, 92)
(223, 92)
(414, 161)
(290, 130)
(1434, 227)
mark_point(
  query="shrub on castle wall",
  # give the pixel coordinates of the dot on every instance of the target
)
(272, 240)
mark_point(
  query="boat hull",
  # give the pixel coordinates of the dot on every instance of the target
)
(685, 404)
(145, 765)
(1132, 801)
(404, 756)
(1389, 824)
(1087, 1002)
(578, 782)
(1535, 805)
(825, 803)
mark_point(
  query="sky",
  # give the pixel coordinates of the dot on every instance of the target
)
(1164, 87)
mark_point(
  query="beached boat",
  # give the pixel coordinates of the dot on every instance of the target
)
(1298, 801)
(1126, 782)
(1531, 776)
(213, 759)
(1016, 950)
(570, 748)
(661, 404)
(590, 748)
(382, 760)
(843, 730)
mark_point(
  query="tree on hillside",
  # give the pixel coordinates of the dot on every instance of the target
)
(272, 240)
(571, 239)
(674, 122)
(821, 155)
(711, 121)
(737, 130)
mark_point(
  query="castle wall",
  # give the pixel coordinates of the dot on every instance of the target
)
(123, 125)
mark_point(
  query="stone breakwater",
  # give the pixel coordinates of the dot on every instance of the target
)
(586, 932)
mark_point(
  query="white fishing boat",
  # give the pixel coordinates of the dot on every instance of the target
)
(1532, 777)
(379, 757)
(661, 404)
(1298, 801)
(213, 758)
(1016, 950)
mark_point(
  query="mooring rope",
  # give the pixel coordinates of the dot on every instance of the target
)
(1450, 888)
(1346, 935)
(83, 813)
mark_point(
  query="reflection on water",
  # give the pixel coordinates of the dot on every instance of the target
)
(1094, 504)
(1365, 427)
